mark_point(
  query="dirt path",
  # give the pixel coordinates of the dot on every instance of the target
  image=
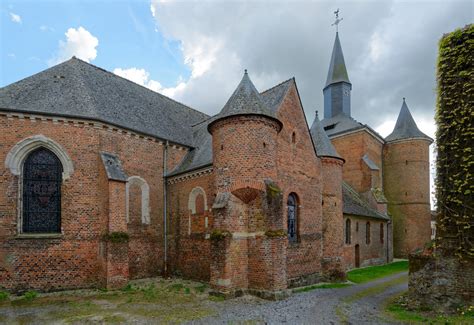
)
(158, 301)
(358, 304)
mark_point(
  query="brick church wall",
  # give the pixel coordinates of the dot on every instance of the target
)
(299, 171)
(189, 243)
(352, 147)
(75, 260)
(375, 252)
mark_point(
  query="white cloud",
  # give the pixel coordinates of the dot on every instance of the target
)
(142, 77)
(45, 28)
(15, 18)
(80, 43)
(11, 55)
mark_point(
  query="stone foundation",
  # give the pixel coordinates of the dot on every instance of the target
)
(440, 282)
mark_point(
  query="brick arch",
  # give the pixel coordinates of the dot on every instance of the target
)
(145, 191)
(18, 153)
(195, 192)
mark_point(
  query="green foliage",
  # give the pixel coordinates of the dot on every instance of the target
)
(217, 234)
(375, 272)
(4, 295)
(116, 237)
(201, 288)
(276, 233)
(454, 137)
(30, 295)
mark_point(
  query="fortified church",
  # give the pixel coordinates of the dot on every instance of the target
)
(103, 181)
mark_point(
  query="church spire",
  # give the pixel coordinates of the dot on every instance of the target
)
(337, 92)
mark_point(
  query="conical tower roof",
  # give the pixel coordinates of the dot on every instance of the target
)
(322, 144)
(406, 128)
(337, 68)
(245, 100)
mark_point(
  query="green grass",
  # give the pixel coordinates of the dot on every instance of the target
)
(322, 286)
(397, 309)
(375, 272)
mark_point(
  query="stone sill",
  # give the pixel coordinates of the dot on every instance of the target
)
(39, 236)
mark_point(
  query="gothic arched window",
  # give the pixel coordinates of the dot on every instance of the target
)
(42, 177)
(292, 218)
(348, 231)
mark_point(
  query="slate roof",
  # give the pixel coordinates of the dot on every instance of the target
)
(406, 128)
(321, 142)
(343, 123)
(337, 67)
(353, 204)
(201, 155)
(78, 89)
(245, 100)
(369, 162)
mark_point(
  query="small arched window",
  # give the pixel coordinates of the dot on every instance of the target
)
(197, 201)
(293, 137)
(381, 232)
(348, 231)
(367, 233)
(137, 199)
(41, 182)
(292, 218)
(199, 204)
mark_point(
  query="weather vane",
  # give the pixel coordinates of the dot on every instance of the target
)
(337, 20)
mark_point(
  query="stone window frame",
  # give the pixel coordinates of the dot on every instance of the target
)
(15, 160)
(296, 198)
(348, 234)
(145, 198)
(192, 199)
(367, 233)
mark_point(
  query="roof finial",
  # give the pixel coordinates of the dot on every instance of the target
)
(337, 20)
(317, 114)
(403, 98)
(245, 71)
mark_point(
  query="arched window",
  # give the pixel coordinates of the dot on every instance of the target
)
(348, 231)
(197, 201)
(41, 192)
(367, 233)
(381, 233)
(137, 199)
(292, 218)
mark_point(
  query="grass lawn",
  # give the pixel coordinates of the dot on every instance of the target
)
(397, 309)
(375, 272)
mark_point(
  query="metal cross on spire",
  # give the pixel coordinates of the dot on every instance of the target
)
(337, 20)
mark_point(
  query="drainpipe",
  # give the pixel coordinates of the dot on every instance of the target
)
(165, 223)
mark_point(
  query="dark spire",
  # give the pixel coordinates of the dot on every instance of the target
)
(406, 128)
(337, 92)
(322, 144)
(337, 68)
(245, 100)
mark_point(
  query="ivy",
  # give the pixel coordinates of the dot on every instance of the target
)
(116, 237)
(454, 137)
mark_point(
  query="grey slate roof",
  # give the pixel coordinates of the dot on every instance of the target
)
(201, 155)
(369, 162)
(321, 142)
(337, 68)
(353, 204)
(406, 128)
(343, 123)
(78, 89)
(113, 167)
(245, 100)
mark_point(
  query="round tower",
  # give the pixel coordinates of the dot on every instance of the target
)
(244, 138)
(406, 181)
(333, 221)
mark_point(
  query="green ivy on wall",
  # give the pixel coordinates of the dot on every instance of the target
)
(455, 141)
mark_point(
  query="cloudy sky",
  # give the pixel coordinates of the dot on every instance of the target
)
(195, 51)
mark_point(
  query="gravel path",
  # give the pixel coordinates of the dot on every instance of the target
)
(358, 304)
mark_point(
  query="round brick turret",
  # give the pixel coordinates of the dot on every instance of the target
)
(406, 182)
(244, 138)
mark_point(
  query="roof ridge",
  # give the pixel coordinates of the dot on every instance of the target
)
(281, 83)
(116, 75)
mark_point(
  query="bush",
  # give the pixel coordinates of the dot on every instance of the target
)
(30, 295)
(4, 295)
(116, 237)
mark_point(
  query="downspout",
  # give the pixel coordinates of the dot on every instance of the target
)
(165, 223)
